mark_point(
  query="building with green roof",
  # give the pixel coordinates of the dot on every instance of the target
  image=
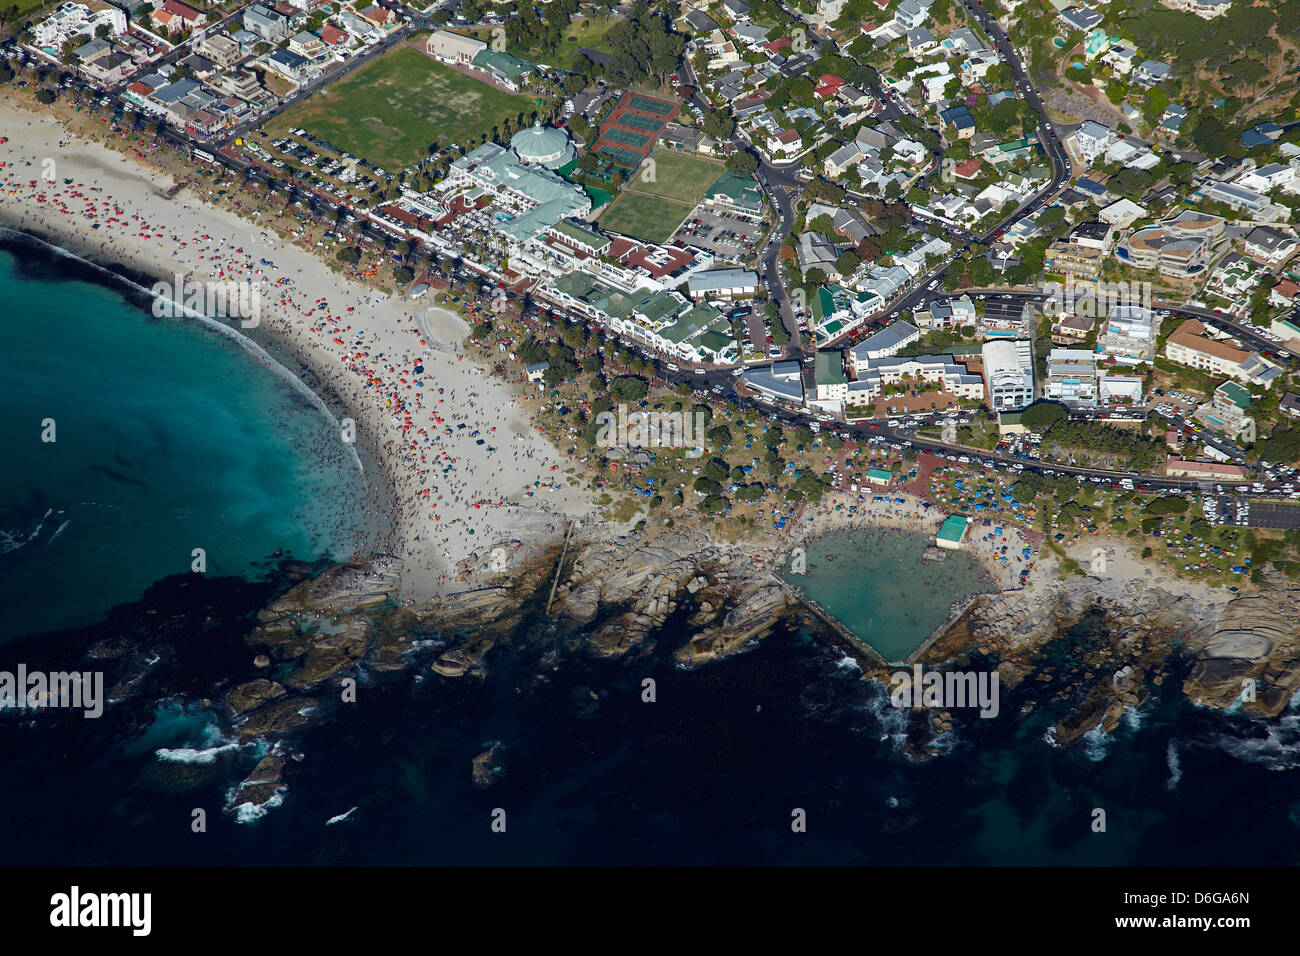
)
(580, 237)
(1234, 393)
(951, 532)
(736, 193)
(509, 71)
(829, 368)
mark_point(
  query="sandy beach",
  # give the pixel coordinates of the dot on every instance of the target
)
(464, 472)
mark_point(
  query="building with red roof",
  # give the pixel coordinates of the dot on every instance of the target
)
(828, 86)
(174, 16)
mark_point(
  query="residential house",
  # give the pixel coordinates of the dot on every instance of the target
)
(307, 44)
(1178, 247)
(266, 24)
(173, 17)
(1072, 377)
(1269, 245)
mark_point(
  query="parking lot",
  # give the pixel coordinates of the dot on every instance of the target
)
(1273, 514)
(726, 234)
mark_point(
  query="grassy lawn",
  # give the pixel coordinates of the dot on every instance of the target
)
(590, 33)
(586, 32)
(391, 110)
(644, 216)
(26, 8)
(654, 210)
(680, 176)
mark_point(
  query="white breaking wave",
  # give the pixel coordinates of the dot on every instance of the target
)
(340, 818)
(233, 334)
(1175, 769)
(847, 663)
(13, 540)
(191, 755)
(1277, 749)
(54, 537)
(252, 812)
(1095, 742)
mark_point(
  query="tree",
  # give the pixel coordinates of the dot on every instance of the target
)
(742, 163)
(629, 388)
(44, 96)
(1042, 415)
(707, 486)
(823, 224)
(718, 125)
(348, 254)
(403, 274)
(847, 262)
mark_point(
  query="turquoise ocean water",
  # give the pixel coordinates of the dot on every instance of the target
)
(858, 576)
(169, 435)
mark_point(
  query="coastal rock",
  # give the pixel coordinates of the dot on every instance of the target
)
(280, 716)
(1253, 655)
(464, 659)
(262, 788)
(753, 617)
(617, 637)
(252, 695)
(488, 767)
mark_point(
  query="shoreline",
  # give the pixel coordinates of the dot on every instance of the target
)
(439, 526)
(132, 283)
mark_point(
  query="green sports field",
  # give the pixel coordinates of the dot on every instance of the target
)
(681, 176)
(391, 110)
(642, 216)
(653, 210)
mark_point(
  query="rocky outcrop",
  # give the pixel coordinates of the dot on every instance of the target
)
(279, 717)
(488, 767)
(1244, 649)
(752, 618)
(1253, 656)
(1090, 674)
(252, 695)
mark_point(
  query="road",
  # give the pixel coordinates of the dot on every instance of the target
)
(778, 183)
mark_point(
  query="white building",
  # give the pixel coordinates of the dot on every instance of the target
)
(77, 19)
(874, 374)
(1072, 377)
(1091, 140)
(1009, 373)
(722, 283)
(1130, 335)
(1113, 389)
(888, 341)
(452, 47)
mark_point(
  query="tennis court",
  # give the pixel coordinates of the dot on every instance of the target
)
(623, 156)
(646, 104)
(625, 137)
(643, 123)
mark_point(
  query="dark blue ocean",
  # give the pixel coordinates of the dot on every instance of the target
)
(171, 437)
